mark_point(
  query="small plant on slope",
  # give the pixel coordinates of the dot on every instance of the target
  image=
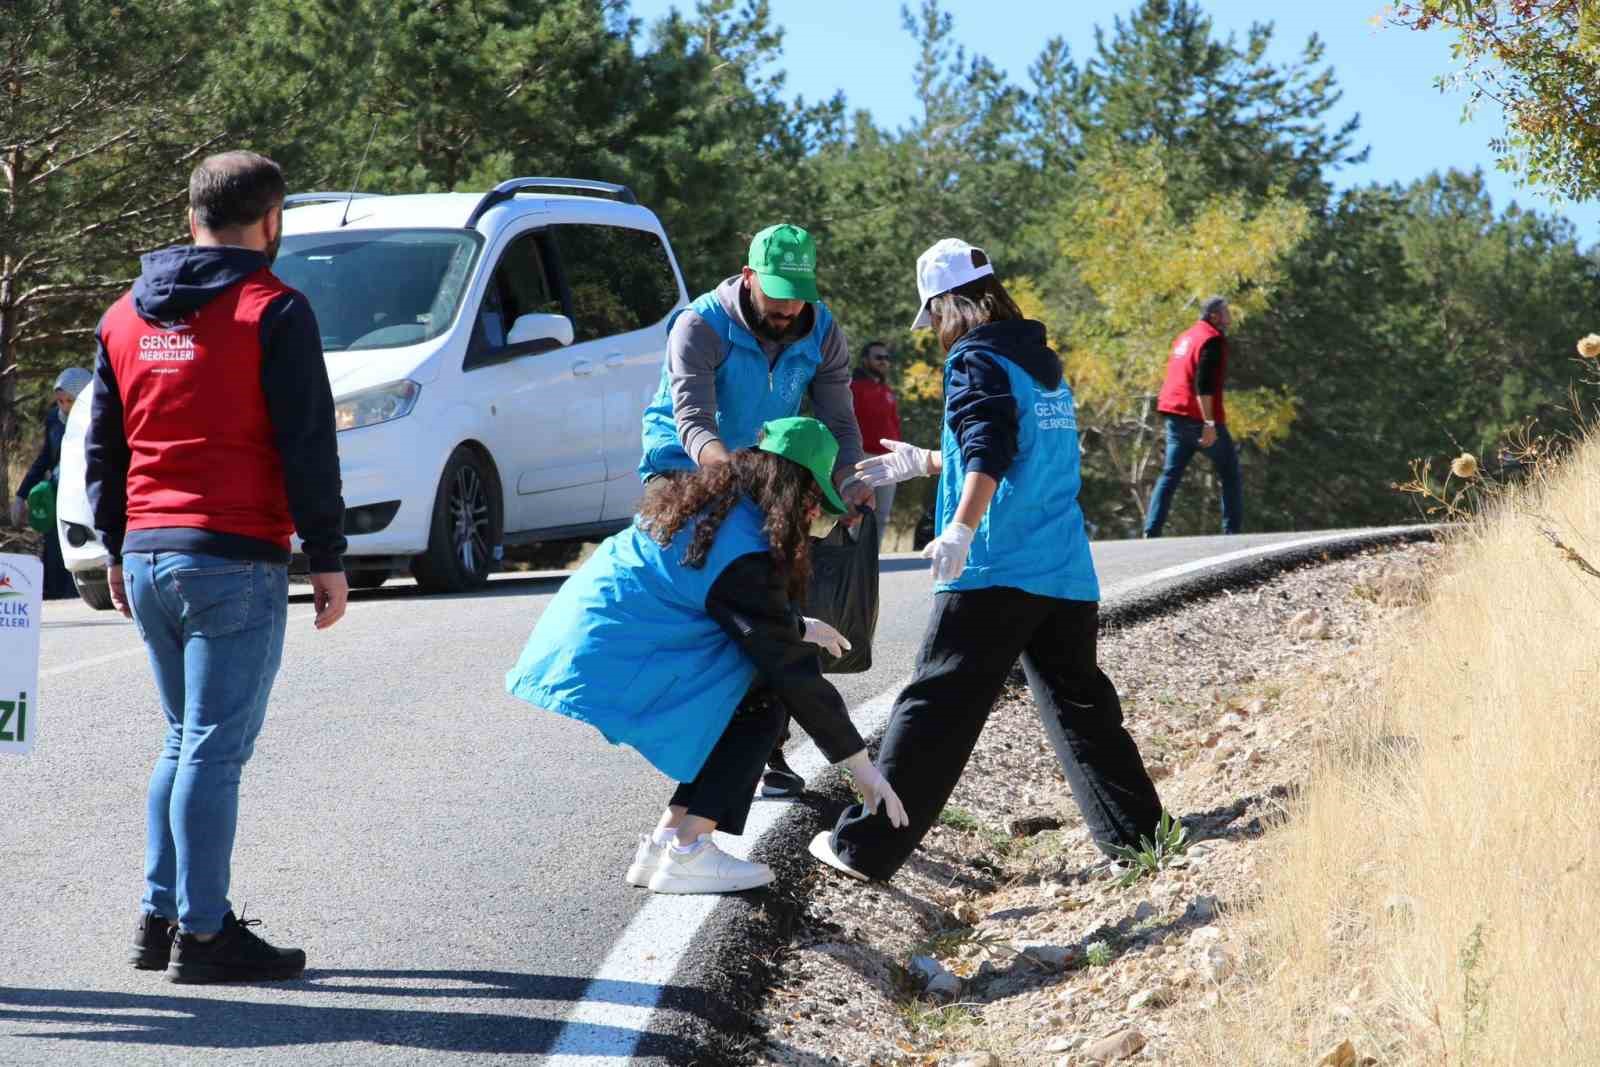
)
(1171, 841)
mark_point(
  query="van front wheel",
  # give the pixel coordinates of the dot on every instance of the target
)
(466, 526)
(94, 590)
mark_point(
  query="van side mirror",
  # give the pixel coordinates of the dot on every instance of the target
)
(540, 327)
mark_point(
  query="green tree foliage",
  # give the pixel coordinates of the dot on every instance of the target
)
(1416, 322)
(1113, 191)
(103, 110)
(1166, 263)
(1230, 119)
(1540, 61)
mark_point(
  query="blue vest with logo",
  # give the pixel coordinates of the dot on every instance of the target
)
(750, 393)
(1032, 536)
(627, 646)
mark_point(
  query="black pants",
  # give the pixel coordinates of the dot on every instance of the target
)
(973, 639)
(726, 786)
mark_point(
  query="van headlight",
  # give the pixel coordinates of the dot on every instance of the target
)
(379, 404)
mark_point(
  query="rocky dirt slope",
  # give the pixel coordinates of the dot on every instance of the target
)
(1007, 939)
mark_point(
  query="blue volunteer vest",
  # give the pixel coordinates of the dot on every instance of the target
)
(627, 646)
(749, 394)
(1032, 536)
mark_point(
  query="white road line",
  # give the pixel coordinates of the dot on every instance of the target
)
(614, 1016)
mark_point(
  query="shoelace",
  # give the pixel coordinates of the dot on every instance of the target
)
(245, 924)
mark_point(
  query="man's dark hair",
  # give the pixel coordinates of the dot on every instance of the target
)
(966, 307)
(234, 189)
(866, 350)
(1212, 305)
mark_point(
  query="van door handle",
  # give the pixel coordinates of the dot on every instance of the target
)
(583, 368)
(614, 361)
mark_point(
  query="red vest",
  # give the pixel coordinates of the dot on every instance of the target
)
(877, 413)
(1177, 393)
(203, 456)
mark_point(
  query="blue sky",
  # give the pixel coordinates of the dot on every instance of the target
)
(1386, 73)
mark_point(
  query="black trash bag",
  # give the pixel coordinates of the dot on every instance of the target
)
(844, 591)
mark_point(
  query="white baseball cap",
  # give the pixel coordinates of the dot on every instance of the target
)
(945, 266)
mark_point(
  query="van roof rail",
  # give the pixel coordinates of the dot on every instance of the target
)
(297, 199)
(512, 186)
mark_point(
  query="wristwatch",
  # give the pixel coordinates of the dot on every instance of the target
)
(1211, 423)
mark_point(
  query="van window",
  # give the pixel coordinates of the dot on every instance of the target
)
(379, 288)
(520, 286)
(620, 279)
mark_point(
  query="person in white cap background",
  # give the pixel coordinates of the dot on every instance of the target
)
(1013, 576)
(46, 468)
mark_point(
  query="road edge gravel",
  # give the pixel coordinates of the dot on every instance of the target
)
(704, 1015)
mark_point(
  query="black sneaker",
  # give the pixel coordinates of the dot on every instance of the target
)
(780, 780)
(234, 955)
(152, 942)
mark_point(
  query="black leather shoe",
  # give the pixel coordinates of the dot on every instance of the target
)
(780, 779)
(152, 942)
(236, 954)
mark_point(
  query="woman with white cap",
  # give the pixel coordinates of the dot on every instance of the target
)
(68, 384)
(1013, 577)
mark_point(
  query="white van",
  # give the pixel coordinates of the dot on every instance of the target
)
(491, 357)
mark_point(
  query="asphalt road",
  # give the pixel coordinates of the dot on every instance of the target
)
(450, 858)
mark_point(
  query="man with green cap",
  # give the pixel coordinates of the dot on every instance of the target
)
(741, 355)
(747, 352)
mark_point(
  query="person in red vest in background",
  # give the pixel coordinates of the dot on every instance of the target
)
(1197, 420)
(878, 415)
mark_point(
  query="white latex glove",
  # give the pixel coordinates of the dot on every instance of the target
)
(820, 633)
(874, 787)
(19, 512)
(901, 463)
(949, 552)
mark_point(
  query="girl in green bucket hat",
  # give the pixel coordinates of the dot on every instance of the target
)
(680, 638)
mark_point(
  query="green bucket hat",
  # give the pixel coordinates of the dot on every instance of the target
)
(810, 444)
(785, 260)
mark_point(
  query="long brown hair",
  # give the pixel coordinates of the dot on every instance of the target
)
(966, 307)
(785, 492)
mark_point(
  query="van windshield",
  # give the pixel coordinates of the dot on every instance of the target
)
(379, 288)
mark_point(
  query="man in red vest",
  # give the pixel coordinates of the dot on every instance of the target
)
(1197, 419)
(878, 415)
(211, 441)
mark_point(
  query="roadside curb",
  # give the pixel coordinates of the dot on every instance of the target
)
(704, 1015)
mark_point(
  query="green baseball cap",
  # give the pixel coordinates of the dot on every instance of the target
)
(809, 443)
(784, 257)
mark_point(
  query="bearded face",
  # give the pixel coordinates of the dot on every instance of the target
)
(775, 320)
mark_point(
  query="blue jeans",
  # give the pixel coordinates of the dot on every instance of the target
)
(214, 630)
(1183, 441)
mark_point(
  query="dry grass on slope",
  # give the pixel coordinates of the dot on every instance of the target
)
(1435, 895)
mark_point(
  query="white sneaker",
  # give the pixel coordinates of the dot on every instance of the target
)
(705, 868)
(822, 849)
(646, 858)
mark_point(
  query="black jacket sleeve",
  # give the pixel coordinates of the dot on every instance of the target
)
(982, 413)
(49, 456)
(300, 405)
(750, 603)
(106, 454)
(1207, 375)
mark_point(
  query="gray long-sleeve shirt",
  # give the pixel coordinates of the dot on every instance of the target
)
(695, 351)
